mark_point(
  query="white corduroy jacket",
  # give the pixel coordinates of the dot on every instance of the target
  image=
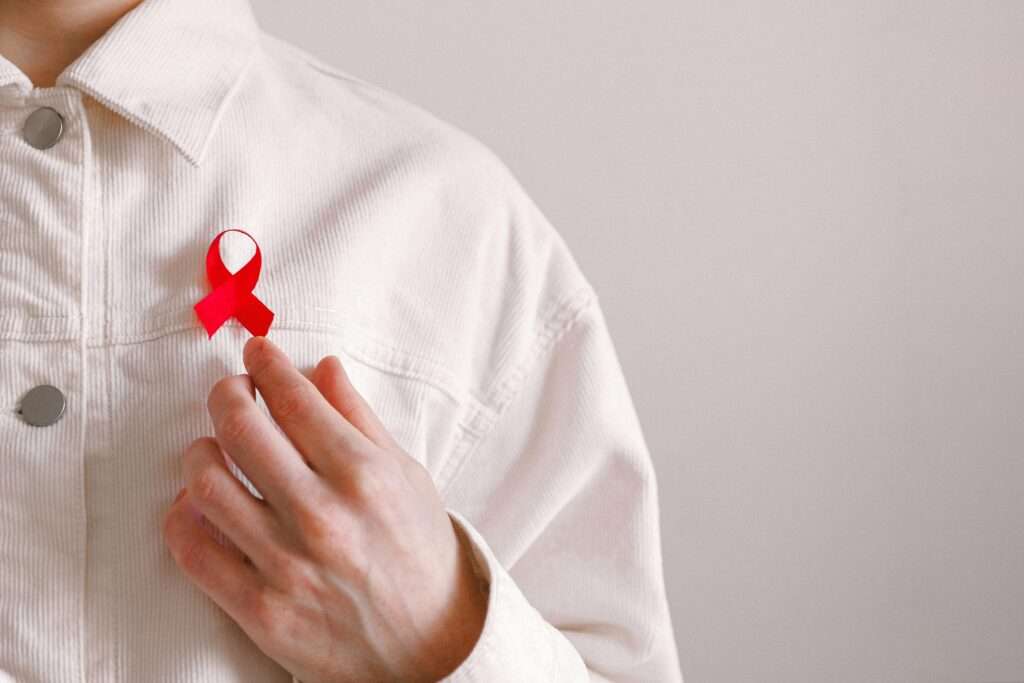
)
(389, 238)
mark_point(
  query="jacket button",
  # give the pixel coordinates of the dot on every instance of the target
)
(43, 128)
(42, 405)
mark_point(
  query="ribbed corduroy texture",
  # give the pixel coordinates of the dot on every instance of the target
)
(391, 239)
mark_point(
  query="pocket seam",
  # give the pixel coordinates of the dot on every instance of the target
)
(355, 342)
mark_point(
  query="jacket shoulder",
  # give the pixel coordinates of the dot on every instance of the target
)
(501, 272)
(372, 110)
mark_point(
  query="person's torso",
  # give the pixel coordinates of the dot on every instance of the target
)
(385, 240)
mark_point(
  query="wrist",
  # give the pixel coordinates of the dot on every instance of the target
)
(463, 623)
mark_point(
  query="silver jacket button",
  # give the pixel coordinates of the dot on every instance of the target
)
(43, 128)
(42, 406)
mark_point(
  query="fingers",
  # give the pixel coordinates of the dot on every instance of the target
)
(318, 431)
(330, 378)
(256, 446)
(223, 499)
(220, 571)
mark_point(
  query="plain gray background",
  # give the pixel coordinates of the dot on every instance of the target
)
(805, 221)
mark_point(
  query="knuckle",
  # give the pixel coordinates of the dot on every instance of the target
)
(194, 453)
(277, 634)
(191, 555)
(324, 532)
(351, 448)
(414, 469)
(256, 606)
(169, 526)
(206, 485)
(276, 630)
(199, 446)
(315, 526)
(366, 481)
(175, 526)
(292, 401)
(355, 565)
(292, 573)
(265, 618)
(235, 424)
(336, 543)
(271, 624)
(417, 476)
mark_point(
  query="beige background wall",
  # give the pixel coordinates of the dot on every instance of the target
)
(806, 223)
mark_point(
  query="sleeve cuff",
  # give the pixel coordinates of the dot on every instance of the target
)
(516, 643)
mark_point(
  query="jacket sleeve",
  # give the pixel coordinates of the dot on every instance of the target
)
(559, 503)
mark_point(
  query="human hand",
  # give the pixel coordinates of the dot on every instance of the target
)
(349, 568)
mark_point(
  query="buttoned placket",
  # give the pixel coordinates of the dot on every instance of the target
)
(44, 151)
(176, 124)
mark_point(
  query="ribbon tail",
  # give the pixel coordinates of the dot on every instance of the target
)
(215, 308)
(254, 315)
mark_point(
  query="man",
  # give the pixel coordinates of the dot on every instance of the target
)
(303, 386)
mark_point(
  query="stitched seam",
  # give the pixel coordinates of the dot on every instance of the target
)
(228, 96)
(372, 351)
(364, 351)
(436, 369)
(39, 337)
(562, 319)
(84, 375)
(556, 323)
(314, 62)
(17, 318)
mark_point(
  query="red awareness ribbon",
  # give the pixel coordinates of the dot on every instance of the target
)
(232, 292)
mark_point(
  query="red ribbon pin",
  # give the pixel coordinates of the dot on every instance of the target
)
(232, 292)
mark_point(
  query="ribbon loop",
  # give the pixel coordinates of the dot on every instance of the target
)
(232, 292)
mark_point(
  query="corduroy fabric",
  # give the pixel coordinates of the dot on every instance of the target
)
(391, 239)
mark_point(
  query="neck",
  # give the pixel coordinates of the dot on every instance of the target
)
(42, 37)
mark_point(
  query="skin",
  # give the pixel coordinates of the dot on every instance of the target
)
(41, 37)
(347, 567)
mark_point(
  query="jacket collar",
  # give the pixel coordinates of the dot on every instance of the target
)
(169, 66)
